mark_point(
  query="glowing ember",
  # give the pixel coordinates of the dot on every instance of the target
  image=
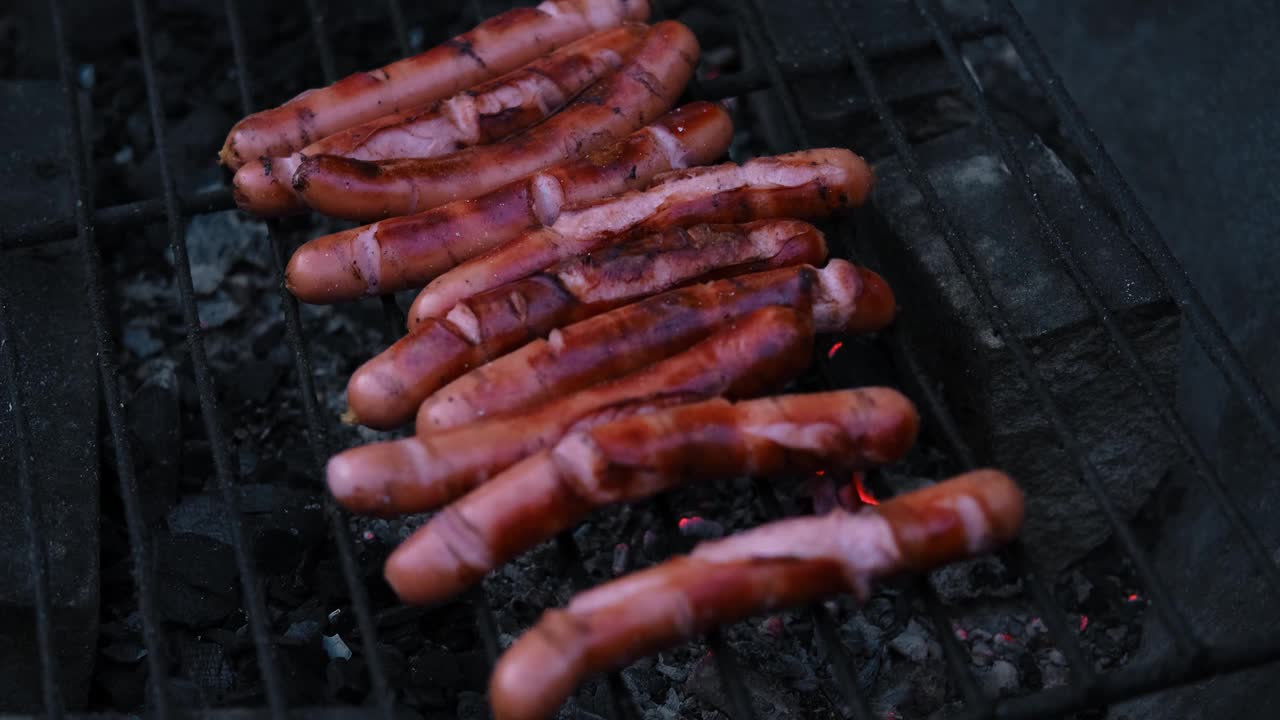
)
(821, 473)
(686, 523)
(1134, 597)
(1005, 638)
(368, 535)
(863, 493)
(1084, 622)
(834, 349)
(774, 625)
(962, 634)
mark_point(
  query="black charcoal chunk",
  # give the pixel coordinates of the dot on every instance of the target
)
(199, 579)
(961, 352)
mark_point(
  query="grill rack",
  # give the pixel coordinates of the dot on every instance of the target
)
(1195, 657)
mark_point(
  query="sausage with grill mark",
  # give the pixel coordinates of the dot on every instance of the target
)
(842, 297)
(806, 184)
(495, 46)
(386, 391)
(745, 358)
(477, 116)
(647, 85)
(784, 564)
(637, 457)
(405, 252)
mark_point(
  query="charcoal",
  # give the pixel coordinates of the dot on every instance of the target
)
(138, 339)
(203, 515)
(769, 700)
(198, 579)
(304, 632)
(915, 643)
(961, 352)
(1000, 679)
(190, 144)
(58, 382)
(124, 686)
(217, 241)
(255, 381)
(471, 706)
(206, 666)
(435, 667)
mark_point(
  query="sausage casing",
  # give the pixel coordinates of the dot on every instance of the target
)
(637, 457)
(408, 251)
(647, 85)
(784, 564)
(419, 473)
(495, 46)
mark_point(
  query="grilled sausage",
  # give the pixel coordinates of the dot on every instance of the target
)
(637, 457)
(495, 46)
(476, 116)
(784, 564)
(387, 390)
(406, 252)
(646, 86)
(840, 296)
(742, 359)
(811, 183)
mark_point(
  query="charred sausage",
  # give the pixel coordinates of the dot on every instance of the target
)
(785, 564)
(386, 391)
(406, 252)
(637, 457)
(482, 114)
(745, 358)
(647, 85)
(495, 46)
(840, 296)
(807, 184)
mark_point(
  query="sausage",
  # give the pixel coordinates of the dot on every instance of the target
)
(616, 342)
(784, 564)
(495, 46)
(386, 391)
(647, 85)
(637, 457)
(405, 252)
(745, 358)
(807, 184)
(477, 116)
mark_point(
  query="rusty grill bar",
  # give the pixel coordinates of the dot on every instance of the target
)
(1197, 657)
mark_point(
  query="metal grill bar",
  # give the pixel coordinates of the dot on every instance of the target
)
(1204, 471)
(1139, 227)
(401, 28)
(316, 13)
(380, 688)
(767, 49)
(255, 605)
(621, 704)
(1166, 608)
(1055, 619)
(141, 563)
(31, 516)
(840, 660)
(117, 217)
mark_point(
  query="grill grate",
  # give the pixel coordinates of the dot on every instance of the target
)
(1196, 658)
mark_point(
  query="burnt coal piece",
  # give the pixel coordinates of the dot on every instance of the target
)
(964, 354)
